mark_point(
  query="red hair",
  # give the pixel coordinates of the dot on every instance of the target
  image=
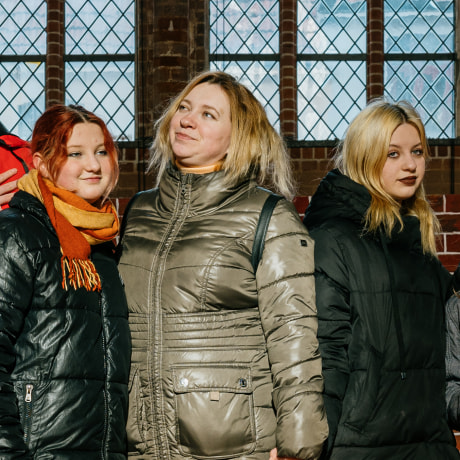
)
(53, 129)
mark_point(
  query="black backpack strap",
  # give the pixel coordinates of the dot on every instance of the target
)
(124, 220)
(261, 230)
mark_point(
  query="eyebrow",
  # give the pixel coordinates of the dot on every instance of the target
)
(397, 145)
(204, 106)
(79, 146)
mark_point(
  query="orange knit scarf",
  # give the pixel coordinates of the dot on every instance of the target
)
(78, 225)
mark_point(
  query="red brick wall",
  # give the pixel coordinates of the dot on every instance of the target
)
(447, 208)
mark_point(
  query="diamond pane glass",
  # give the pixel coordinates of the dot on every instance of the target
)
(261, 78)
(23, 27)
(107, 89)
(331, 26)
(429, 86)
(99, 27)
(330, 94)
(421, 26)
(244, 26)
(22, 97)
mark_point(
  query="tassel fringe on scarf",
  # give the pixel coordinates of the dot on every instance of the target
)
(78, 225)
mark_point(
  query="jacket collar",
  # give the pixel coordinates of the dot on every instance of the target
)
(200, 191)
(337, 196)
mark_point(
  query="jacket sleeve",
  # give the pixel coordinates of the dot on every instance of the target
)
(15, 292)
(334, 325)
(453, 361)
(455, 281)
(286, 294)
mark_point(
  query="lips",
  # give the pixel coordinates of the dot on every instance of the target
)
(411, 180)
(183, 137)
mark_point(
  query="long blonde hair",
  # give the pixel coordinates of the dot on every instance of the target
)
(362, 155)
(255, 146)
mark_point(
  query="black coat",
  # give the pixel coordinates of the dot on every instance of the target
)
(64, 355)
(381, 332)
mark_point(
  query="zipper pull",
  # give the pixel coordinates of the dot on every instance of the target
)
(29, 389)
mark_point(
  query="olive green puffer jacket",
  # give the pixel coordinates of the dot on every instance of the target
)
(217, 351)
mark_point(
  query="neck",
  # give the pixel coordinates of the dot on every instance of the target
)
(199, 169)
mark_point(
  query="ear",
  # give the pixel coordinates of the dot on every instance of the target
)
(39, 164)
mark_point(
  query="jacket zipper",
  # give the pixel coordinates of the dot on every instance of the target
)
(28, 411)
(104, 351)
(180, 210)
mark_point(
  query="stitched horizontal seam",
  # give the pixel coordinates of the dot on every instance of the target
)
(297, 275)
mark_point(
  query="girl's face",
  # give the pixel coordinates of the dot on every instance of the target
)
(404, 168)
(88, 171)
(200, 130)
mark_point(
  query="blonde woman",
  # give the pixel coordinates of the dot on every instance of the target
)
(225, 359)
(381, 292)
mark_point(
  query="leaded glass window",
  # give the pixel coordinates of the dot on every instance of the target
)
(99, 62)
(99, 68)
(22, 64)
(244, 41)
(331, 70)
(420, 60)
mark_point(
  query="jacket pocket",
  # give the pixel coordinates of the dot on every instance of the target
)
(28, 411)
(29, 395)
(362, 400)
(214, 410)
(137, 419)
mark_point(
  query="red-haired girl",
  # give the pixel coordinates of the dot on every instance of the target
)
(64, 337)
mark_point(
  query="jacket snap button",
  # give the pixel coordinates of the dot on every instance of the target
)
(243, 383)
(183, 382)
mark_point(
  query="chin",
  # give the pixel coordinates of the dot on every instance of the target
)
(404, 197)
(91, 199)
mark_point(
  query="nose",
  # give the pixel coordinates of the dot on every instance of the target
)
(92, 163)
(409, 162)
(187, 120)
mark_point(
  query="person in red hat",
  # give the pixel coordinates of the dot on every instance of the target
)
(15, 161)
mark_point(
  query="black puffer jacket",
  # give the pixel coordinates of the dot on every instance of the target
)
(381, 332)
(64, 355)
(453, 361)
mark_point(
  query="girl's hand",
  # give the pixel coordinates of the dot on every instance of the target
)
(7, 188)
(274, 456)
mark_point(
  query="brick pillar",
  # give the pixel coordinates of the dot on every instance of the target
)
(288, 68)
(55, 72)
(457, 73)
(170, 49)
(172, 46)
(198, 36)
(144, 68)
(375, 21)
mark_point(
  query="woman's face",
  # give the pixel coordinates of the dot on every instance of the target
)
(404, 168)
(88, 171)
(200, 130)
